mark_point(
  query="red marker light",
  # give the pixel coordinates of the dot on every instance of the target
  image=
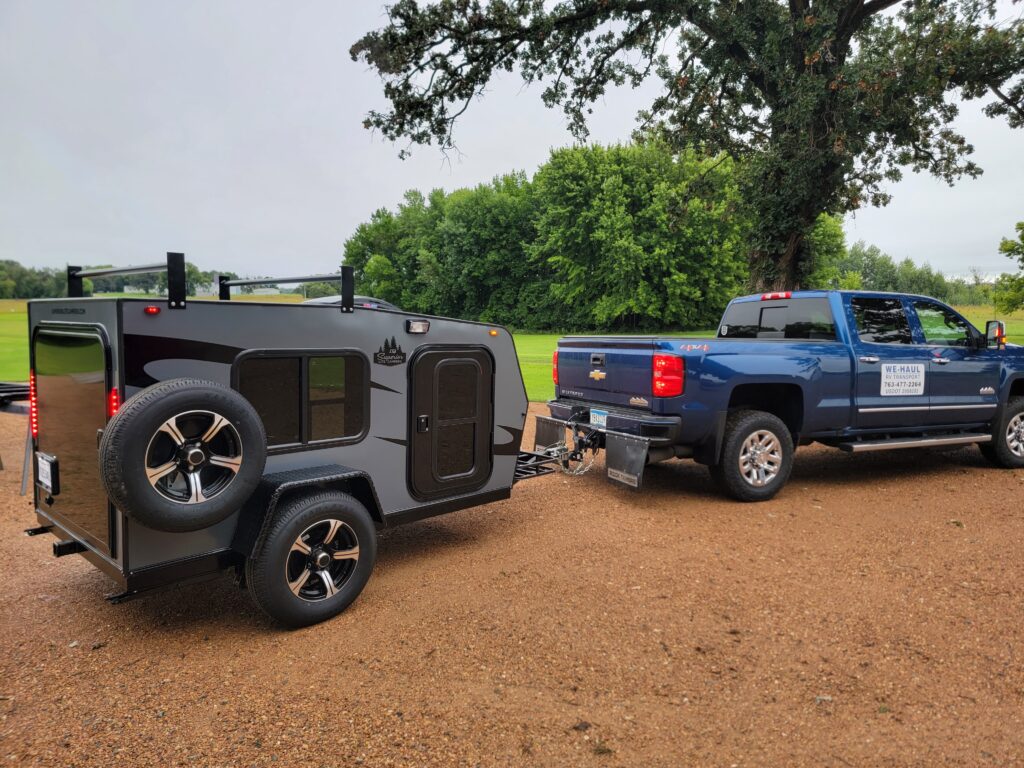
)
(33, 404)
(554, 367)
(152, 310)
(667, 376)
(776, 295)
(113, 402)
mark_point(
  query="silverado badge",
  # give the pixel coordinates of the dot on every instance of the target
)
(598, 375)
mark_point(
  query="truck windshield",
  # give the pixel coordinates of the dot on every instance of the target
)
(809, 318)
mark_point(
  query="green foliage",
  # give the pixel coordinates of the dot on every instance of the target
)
(826, 249)
(1008, 294)
(613, 238)
(639, 238)
(828, 100)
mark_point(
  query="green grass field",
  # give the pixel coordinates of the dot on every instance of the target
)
(534, 349)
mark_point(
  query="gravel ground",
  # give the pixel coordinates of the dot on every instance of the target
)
(869, 615)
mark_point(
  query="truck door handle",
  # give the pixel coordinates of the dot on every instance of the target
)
(940, 360)
(422, 424)
(868, 359)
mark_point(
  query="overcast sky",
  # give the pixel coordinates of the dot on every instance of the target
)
(232, 131)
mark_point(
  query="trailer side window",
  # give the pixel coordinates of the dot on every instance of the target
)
(307, 398)
(336, 397)
(273, 386)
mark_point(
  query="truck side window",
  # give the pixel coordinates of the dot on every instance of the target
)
(809, 318)
(881, 321)
(940, 326)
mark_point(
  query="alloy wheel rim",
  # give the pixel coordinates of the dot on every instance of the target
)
(1015, 435)
(321, 560)
(193, 457)
(760, 458)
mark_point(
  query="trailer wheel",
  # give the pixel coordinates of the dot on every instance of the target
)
(1007, 447)
(757, 456)
(182, 455)
(314, 560)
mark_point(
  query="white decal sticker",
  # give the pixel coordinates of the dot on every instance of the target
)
(901, 379)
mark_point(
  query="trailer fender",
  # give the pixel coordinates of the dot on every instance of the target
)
(277, 486)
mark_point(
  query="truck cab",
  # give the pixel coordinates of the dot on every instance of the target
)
(857, 370)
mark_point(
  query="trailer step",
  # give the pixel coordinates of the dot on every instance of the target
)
(534, 464)
(861, 446)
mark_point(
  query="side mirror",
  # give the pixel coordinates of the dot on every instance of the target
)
(995, 334)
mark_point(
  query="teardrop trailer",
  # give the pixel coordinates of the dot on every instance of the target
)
(175, 439)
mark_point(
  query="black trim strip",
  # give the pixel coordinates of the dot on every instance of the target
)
(443, 507)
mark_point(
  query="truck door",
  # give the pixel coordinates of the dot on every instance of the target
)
(891, 387)
(452, 424)
(963, 377)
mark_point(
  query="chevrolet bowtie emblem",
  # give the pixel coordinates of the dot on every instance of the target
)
(598, 375)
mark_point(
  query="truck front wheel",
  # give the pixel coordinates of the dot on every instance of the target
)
(316, 556)
(1007, 446)
(757, 456)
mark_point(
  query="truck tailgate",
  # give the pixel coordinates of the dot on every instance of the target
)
(612, 370)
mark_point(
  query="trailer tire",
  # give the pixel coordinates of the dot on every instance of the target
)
(182, 455)
(313, 559)
(761, 443)
(1007, 447)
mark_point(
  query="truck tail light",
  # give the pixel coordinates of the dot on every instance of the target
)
(33, 405)
(776, 295)
(667, 376)
(554, 367)
(113, 402)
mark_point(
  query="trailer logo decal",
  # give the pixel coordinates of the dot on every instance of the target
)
(390, 353)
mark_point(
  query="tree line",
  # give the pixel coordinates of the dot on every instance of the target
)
(620, 238)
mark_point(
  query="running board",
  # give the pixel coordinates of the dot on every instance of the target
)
(913, 442)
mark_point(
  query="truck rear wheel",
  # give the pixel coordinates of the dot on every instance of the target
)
(182, 455)
(757, 456)
(1007, 446)
(316, 556)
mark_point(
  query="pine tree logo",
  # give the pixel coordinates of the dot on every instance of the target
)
(390, 353)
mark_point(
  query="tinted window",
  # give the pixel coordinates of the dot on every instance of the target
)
(941, 326)
(881, 321)
(456, 448)
(786, 319)
(274, 387)
(458, 384)
(336, 397)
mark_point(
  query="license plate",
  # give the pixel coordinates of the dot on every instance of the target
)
(598, 418)
(46, 473)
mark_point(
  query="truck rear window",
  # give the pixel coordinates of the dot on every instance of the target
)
(780, 319)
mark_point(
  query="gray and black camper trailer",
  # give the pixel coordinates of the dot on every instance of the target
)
(173, 439)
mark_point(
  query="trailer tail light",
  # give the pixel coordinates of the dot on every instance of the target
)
(776, 295)
(33, 404)
(554, 367)
(113, 402)
(667, 376)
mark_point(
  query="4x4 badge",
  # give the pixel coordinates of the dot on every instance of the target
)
(390, 353)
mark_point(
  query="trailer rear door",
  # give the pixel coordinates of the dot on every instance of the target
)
(72, 370)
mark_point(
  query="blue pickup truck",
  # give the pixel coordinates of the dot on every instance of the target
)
(857, 370)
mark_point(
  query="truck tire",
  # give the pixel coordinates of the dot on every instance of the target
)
(313, 559)
(182, 455)
(757, 456)
(1007, 447)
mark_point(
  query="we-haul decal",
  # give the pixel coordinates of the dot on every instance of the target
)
(902, 379)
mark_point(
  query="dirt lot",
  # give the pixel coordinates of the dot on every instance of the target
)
(870, 615)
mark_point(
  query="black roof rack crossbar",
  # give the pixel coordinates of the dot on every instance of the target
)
(346, 278)
(174, 266)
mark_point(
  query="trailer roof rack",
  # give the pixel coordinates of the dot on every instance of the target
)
(175, 268)
(346, 278)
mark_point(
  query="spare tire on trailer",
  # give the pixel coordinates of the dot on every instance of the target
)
(183, 454)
